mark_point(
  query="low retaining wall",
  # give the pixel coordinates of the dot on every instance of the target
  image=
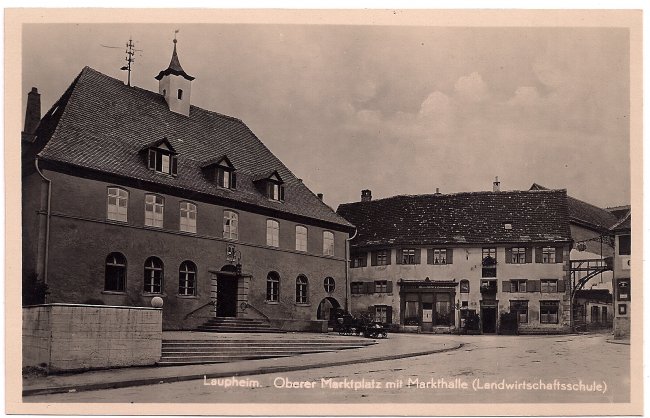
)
(298, 325)
(66, 337)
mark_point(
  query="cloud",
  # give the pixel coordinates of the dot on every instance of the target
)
(525, 96)
(471, 88)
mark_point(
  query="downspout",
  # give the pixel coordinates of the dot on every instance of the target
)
(47, 222)
(347, 268)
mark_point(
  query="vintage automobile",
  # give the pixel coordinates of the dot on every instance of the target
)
(346, 324)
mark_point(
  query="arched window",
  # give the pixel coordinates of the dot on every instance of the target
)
(464, 286)
(301, 238)
(187, 279)
(153, 275)
(328, 243)
(272, 287)
(230, 224)
(118, 204)
(154, 207)
(115, 274)
(272, 233)
(301, 289)
(188, 217)
(329, 284)
(180, 94)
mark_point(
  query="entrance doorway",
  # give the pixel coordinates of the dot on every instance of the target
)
(489, 319)
(326, 308)
(225, 287)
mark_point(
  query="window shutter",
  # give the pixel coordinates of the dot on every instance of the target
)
(373, 258)
(506, 285)
(529, 254)
(152, 159)
(389, 254)
(559, 255)
(429, 255)
(450, 256)
(233, 180)
(174, 165)
(398, 256)
(508, 255)
(418, 252)
(369, 287)
(561, 286)
(351, 262)
(389, 287)
(538, 254)
(389, 314)
(282, 193)
(533, 286)
(364, 263)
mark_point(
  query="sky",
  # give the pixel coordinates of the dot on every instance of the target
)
(393, 109)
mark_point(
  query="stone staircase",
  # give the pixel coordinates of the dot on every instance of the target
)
(181, 352)
(231, 324)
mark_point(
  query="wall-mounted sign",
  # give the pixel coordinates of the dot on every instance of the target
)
(230, 252)
(622, 308)
(623, 289)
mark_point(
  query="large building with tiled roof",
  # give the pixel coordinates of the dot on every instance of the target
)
(131, 194)
(431, 263)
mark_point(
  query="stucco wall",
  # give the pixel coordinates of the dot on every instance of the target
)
(64, 337)
(81, 238)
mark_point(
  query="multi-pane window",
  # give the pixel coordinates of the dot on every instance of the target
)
(548, 312)
(118, 201)
(548, 255)
(439, 256)
(188, 217)
(154, 207)
(381, 313)
(518, 255)
(328, 243)
(153, 275)
(274, 191)
(548, 286)
(464, 286)
(226, 177)
(359, 260)
(301, 238)
(520, 307)
(356, 288)
(408, 256)
(272, 287)
(518, 286)
(272, 233)
(162, 161)
(329, 284)
(301, 289)
(230, 224)
(382, 257)
(115, 274)
(381, 286)
(489, 262)
(187, 279)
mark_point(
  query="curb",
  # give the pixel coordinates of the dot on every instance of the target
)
(622, 342)
(217, 375)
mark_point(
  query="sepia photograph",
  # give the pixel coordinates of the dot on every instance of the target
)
(372, 211)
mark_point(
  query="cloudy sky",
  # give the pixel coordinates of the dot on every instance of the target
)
(395, 109)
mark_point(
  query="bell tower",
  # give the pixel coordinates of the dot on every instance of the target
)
(175, 85)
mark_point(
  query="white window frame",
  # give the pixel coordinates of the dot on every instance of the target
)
(381, 313)
(439, 256)
(302, 290)
(329, 284)
(302, 235)
(119, 210)
(518, 255)
(188, 217)
(150, 270)
(230, 224)
(272, 233)
(328, 243)
(154, 210)
(546, 285)
(187, 275)
(548, 255)
(272, 287)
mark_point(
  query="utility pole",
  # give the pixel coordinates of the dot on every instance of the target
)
(130, 57)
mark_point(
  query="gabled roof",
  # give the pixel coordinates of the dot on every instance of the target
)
(625, 224)
(271, 175)
(101, 125)
(160, 143)
(217, 161)
(461, 218)
(586, 214)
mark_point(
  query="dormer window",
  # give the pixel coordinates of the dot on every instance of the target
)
(162, 157)
(272, 186)
(222, 172)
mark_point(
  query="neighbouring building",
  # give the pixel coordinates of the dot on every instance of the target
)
(425, 262)
(130, 194)
(593, 309)
(622, 278)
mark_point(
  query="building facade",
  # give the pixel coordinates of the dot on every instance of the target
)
(428, 263)
(622, 282)
(130, 194)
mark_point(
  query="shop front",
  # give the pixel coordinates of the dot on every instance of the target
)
(428, 304)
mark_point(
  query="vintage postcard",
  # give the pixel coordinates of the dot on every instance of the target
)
(334, 212)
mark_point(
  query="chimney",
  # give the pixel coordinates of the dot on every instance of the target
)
(437, 190)
(33, 111)
(366, 195)
(320, 196)
(496, 186)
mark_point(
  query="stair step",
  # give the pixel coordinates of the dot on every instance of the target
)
(262, 350)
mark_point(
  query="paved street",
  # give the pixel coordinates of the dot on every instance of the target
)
(486, 369)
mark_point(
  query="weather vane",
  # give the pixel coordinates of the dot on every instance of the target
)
(130, 52)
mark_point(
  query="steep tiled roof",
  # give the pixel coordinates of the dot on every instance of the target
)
(101, 124)
(462, 218)
(625, 224)
(585, 213)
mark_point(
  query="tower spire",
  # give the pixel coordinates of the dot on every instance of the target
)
(175, 85)
(174, 65)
